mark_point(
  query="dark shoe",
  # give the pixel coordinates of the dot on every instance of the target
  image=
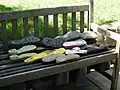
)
(96, 48)
(72, 35)
(57, 42)
(25, 41)
(47, 41)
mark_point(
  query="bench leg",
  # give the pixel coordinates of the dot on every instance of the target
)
(115, 75)
(62, 78)
(19, 86)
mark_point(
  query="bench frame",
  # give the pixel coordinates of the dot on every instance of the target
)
(45, 12)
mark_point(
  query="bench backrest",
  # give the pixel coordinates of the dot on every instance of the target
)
(14, 16)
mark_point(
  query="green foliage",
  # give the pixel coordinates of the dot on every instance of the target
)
(105, 11)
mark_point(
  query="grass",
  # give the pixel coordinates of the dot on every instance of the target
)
(105, 11)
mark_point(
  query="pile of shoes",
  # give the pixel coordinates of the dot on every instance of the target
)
(57, 42)
(58, 49)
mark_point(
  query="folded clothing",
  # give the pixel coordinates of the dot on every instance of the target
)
(24, 49)
(25, 41)
(75, 43)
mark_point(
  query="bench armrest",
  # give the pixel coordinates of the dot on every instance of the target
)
(105, 32)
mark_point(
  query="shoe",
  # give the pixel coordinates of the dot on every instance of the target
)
(40, 49)
(47, 41)
(96, 48)
(76, 50)
(58, 51)
(24, 49)
(88, 35)
(22, 56)
(50, 58)
(44, 54)
(35, 57)
(30, 40)
(66, 58)
(72, 35)
(76, 43)
(57, 42)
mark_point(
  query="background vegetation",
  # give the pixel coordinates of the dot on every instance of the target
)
(105, 11)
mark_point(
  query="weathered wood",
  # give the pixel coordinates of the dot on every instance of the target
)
(4, 34)
(46, 26)
(91, 7)
(42, 12)
(116, 68)
(73, 21)
(36, 26)
(55, 69)
(25, 26)
(99, 80)
(64, 23)
(82, 21)
(55, 21)
(88, 21)
(14, 29)
(107, 33)
(62, 78)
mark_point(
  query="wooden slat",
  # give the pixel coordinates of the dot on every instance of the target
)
(55, 21)
(105, 32)
(36, 28)
(55, 69)
(4, 34)
(91, 11)
(62, 78)
(82, 21)
(42, 12)
(88, 21)
(46, 26)
(116, 68)
(73, 21)
(99, 80)
(14, 29)
(25, 26)
(64, 23)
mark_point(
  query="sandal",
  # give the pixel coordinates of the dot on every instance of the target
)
(66, 58)
(24, 49)
(22, 56)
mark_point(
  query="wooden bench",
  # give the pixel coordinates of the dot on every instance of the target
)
(13, 17)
